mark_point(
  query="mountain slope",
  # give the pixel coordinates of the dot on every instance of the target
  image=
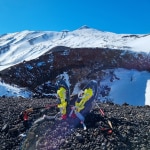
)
(28, 45)
(39, 75)
(34, 60)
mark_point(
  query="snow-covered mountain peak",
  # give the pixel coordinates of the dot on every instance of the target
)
(28, 45)
(84, 27)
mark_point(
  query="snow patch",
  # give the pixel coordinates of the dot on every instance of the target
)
(147, 93)
(129, 87)
(13, 91)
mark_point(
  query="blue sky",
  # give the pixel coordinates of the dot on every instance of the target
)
(119, 16)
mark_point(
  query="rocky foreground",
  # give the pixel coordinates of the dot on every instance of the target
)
(131, 128)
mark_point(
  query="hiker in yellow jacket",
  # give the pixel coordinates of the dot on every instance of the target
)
(85, 95)
(61, 92)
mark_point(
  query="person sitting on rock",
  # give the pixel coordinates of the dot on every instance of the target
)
(84, 96)
(61, 92)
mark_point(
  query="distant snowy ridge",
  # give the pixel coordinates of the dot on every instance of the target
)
(130, 86)
(28, 45)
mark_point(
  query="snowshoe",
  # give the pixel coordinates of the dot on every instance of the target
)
(61, 83)
(64, 100)
(86, 104)
(83, 105)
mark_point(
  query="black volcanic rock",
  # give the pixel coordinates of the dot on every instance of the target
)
(130, 128)
(79, 63)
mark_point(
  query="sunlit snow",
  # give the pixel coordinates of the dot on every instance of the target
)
(147, 93)
(27, 45)
(133, 86)
(13, 91)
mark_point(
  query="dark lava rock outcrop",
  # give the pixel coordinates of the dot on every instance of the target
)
(79, 63)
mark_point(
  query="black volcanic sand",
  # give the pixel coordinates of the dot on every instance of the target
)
(131, 128)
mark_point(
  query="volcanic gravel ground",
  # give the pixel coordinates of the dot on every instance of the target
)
(131, 128)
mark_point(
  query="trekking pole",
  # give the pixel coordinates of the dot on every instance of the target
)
(103, 114)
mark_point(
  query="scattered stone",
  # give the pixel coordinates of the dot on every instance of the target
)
(130, 128)
(5, 128)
